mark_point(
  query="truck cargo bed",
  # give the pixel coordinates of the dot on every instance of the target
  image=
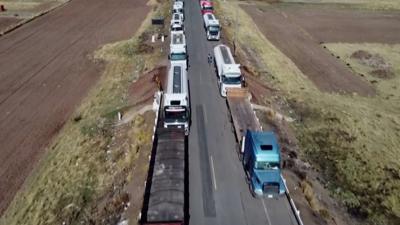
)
(241, 111)
(166, 192)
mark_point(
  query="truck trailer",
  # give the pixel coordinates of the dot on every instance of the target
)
(166, 188)
(229, 74)
(212, 26)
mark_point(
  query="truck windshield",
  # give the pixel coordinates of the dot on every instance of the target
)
(173, 115)
(231, 80)
(177, 11)
(207, 7)
(177, 28)
(260, 165)
(214, 30)
(178, 56)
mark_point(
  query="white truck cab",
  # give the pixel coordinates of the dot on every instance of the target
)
(178, 8)
(177, 27)
(176, 108)
(229, 73)
(212, 26)
(178, 52)
(177, 18)
(179, 2)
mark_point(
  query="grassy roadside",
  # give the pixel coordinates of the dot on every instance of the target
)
(83, 164)
(352, 140)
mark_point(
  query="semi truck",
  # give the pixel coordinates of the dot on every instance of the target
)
(259, 150)
(166, 187)
(206, 7)
(229, 74)
(176, 105)
(260, 154)
(211, 24)
(178, 52)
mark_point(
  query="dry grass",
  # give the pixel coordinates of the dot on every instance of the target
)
(79, 168)
(25, 5)
(353, 140)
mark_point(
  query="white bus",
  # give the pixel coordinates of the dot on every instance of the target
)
(176, 107)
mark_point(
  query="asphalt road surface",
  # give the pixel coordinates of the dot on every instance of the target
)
(218, 190)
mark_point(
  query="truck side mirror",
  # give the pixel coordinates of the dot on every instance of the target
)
(169, 57)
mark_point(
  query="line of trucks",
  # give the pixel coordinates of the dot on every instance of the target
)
(166, 194)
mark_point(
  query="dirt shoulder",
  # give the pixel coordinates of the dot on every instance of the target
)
(46, 72)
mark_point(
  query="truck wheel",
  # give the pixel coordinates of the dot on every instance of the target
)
(252, 191)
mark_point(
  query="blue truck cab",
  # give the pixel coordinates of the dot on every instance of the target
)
(262, 163)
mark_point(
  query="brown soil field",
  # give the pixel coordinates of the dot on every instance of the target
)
(46, 71)
(298, 32)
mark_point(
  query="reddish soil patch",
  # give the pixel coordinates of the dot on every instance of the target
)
(142, 91)
(6, 22)
(259, 90)
(45, 73)
(382, 73)
(382, 69)
(346, 25)
(328, 73)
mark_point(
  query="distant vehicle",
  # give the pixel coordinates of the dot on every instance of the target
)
(177, 18)
(178, 8)
(181, 2)
(177, 27)
(178, 52)
(176, 107)
(211, 24)
(206, 7)
(229, 74)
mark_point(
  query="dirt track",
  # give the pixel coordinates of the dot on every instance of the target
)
(45, 73)
(298, 31)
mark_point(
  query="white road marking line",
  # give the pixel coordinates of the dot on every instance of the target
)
(213, 173)
(266, 212)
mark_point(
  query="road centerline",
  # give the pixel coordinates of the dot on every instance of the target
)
(213, 172)
(266, 212)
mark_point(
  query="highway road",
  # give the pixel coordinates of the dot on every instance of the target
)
(218, 192)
